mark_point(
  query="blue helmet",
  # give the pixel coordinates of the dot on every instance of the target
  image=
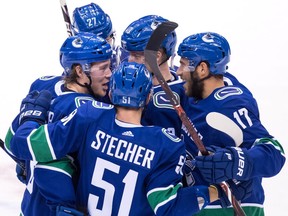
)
(84, 49)
(91, 18)
(136, 35)
(130, 84)
(207, 46)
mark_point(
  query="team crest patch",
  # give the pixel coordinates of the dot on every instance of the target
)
(227, 91)
(102, 105)
(82, 100)
(160, 100)
(44, 78)
(170, 136)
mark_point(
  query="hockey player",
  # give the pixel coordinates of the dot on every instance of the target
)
(85, 59)
(91, 18)
(226, 118)
(134, 39)
(88, 18)
(121, 171)
(82, 21)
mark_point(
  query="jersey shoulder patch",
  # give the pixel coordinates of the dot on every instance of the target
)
(101, 105)
(161, 100)
(79, 100)
(45, 78)
(227, 92)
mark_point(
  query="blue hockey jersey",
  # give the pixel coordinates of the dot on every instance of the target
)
(37, 199)
(229, 116)
(125, 169)
(33, 202)
(48, 175)
(160, 112)
(54, 84)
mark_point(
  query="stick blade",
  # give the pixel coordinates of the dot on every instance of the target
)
(159, 35)
(154, 43)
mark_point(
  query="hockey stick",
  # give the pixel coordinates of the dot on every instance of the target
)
(66, 17)
(150, 53)
(20, 163)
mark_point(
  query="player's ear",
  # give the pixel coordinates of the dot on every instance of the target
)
(78, 70)
(159, 55)
(80, 74)
(204, 69)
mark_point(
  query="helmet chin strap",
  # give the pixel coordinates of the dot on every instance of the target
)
(166, 59)
(88, 86)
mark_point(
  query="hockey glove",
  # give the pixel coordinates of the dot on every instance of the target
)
(21, 174)
(225, 163)
(188, 178)
(241, 189)
(35, 107)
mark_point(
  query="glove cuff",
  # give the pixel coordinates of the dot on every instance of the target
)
(243, 166)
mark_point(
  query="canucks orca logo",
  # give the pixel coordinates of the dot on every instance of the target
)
(170, 136)
(102, 105)
(160, 100)
(77, 42)
(82, 100)
(227, 91)
(44, 78)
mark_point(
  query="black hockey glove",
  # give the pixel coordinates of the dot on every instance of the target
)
(225, 163)
(35, 107)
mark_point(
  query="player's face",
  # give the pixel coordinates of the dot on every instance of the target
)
(136, 56)
(184, 72)
(193, 87)
(100, 75)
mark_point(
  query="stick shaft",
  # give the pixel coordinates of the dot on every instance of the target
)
(151, 63)
(66, 17)
(21, 164)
